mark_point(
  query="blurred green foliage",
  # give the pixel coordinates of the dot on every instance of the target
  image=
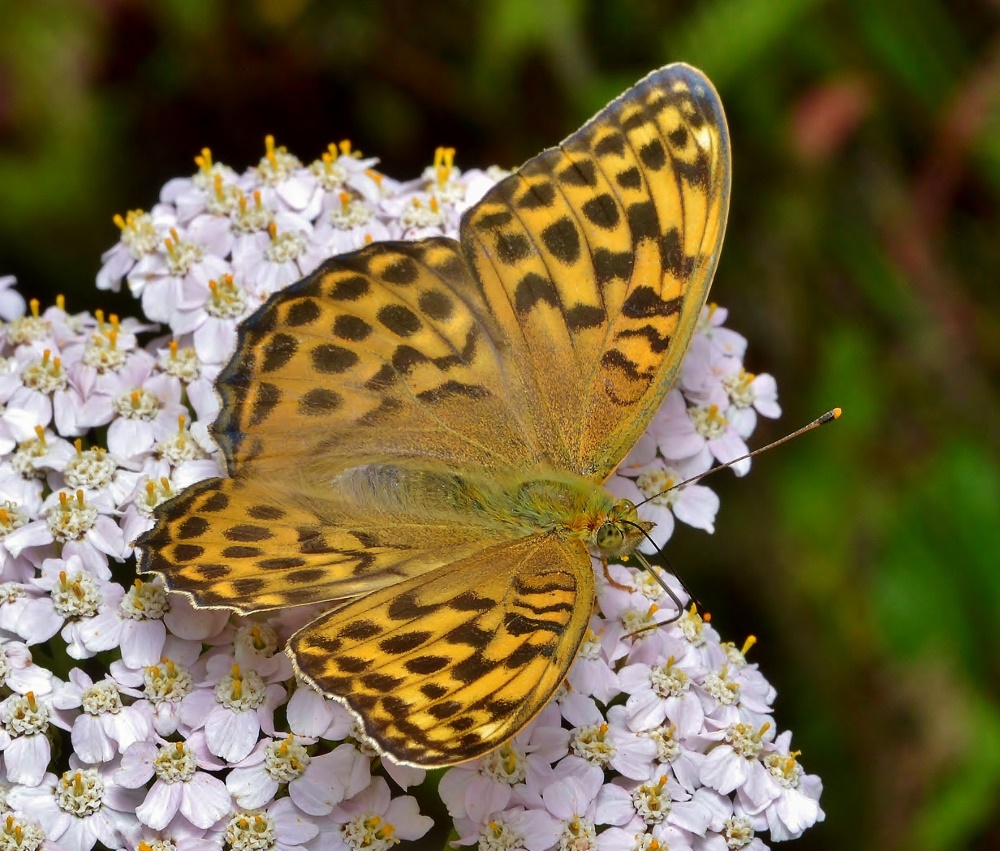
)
(861, 261)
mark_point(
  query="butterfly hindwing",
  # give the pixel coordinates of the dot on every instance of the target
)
(445, 667)
(240, 544)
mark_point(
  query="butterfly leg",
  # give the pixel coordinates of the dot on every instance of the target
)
(611, 580)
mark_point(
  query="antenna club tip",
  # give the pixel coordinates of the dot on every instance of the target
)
(829, 416)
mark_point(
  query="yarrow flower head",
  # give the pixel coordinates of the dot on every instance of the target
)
(187, 729)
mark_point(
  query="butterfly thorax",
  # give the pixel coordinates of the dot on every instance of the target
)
(513, 504)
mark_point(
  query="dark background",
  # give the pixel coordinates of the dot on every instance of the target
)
(861, 261)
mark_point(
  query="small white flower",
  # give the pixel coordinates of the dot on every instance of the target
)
(179, 787)
(18, 671)
(516, 829)
(374, 820)
(315, 783)
(796, 808)
(106, 726)
(79, 808)
(734, 764)
(280, 827)
(663, 693)
(235, 709)
(135, 626)
(24, 722)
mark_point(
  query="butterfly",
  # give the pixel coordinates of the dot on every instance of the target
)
(417, 433)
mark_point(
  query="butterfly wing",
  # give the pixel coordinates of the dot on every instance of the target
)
(445, 667)
(543, 340)
(596, 258)
(250, 546)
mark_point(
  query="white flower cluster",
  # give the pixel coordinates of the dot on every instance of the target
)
(130, 719)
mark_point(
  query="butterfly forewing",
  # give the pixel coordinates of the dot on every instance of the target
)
(447, 666)
(596, 259)
(385, 353)
(365, 403)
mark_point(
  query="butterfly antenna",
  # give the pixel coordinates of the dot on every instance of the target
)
(655, 573)
(828, 417)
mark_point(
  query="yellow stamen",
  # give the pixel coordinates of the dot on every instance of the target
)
(204, 160)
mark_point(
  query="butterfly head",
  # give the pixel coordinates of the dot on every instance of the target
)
(621, 531)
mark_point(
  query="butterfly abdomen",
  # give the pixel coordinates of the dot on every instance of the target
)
(552, 501)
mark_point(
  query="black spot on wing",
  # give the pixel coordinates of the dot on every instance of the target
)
(278, 351)
(678, 137)
(579, 173)
(319, 402)
(537, 196)
(630, 178)
(453, 388)
(653, 155)
(352, 328)
(602, 211)
(399, 319)
(642, 221)
(263, 403)
(437, 304)
(562, 241)
(583, 316)
(532, 289)
(657, 342)
(192, 527)
(611, 145)
(493, 221)
(302, 312)
(698, 173)
(644, 302)
(350, 289)
(331, 359)
(183, 553)
(401, 272)
(612, 264)
(512, 248)
(672, 255)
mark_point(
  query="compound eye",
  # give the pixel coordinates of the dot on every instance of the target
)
(627, 510)
(610, 538)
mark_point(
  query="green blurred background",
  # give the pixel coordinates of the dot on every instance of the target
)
(861, 261)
